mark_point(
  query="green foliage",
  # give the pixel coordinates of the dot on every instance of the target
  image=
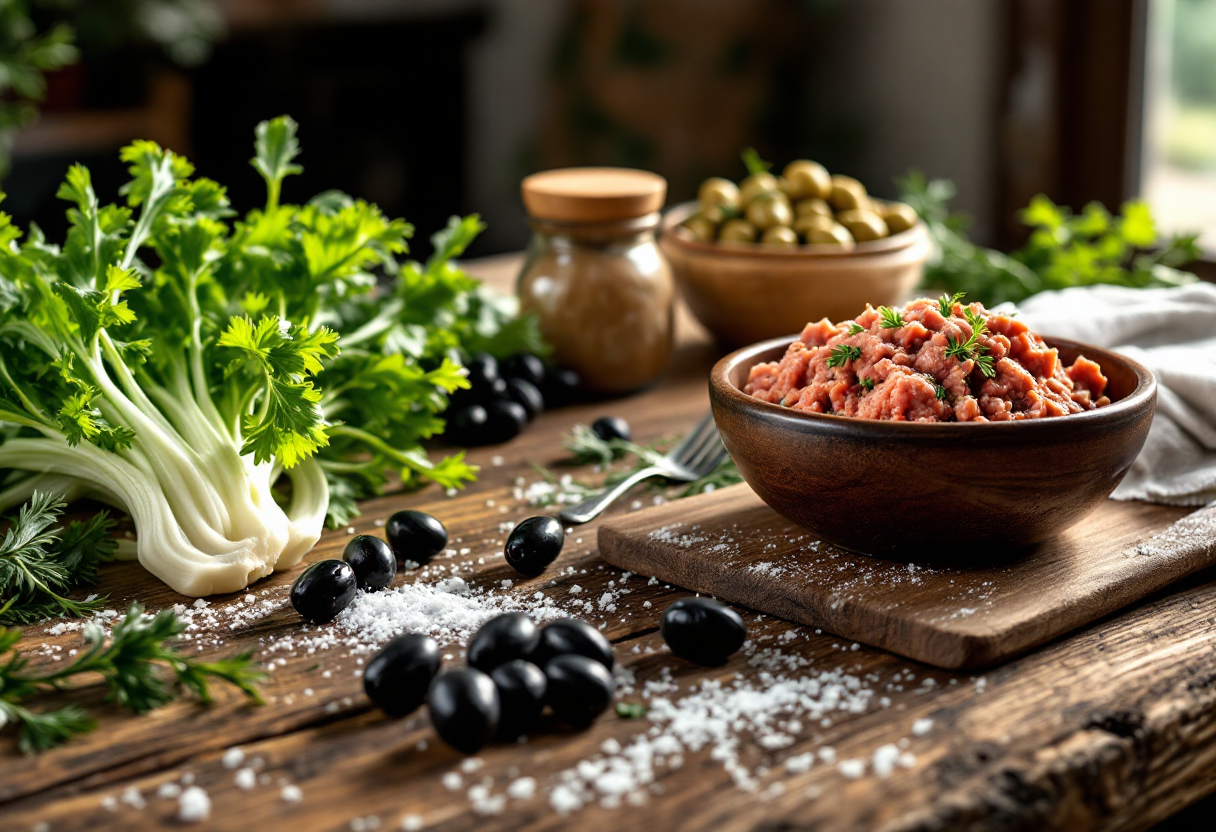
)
(26, 55)
(41, 564)
(1064, 249)
(132, 666)
(169, 328)
(842, 354)
(753, 162)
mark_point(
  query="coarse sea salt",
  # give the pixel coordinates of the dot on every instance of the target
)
(193, 805)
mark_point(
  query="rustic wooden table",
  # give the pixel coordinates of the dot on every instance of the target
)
(1112, 727)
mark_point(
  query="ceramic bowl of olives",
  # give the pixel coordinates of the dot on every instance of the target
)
(759, 259)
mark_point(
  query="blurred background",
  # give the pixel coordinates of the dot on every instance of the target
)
(433, 107)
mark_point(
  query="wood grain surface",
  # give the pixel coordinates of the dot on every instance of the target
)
(1110, 728)
(957, 612)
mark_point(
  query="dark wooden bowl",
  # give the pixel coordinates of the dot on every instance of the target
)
(911, 488)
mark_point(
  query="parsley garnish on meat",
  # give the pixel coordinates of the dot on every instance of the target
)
(890, 318)
(866, 383)
(855, 328)
(972, 349)
(945, 304)
(940, 392)
(842, 353)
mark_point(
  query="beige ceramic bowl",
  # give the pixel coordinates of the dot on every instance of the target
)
(745, 293)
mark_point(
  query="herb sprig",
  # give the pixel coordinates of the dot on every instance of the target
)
(890, 318)
(41, 564)
(855, 328)
(842, 353)
(132, 667)
(972, 349)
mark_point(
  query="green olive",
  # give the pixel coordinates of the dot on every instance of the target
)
(755, 185)
(837, 235)
(898, 216)
(803, 225)
(717, 214)
(717, 192)
(847, 193)
(863, 225)
(737, 231)
(807, 179)
(769, 210)
(780, 236)
(812, 207)
(701, 227)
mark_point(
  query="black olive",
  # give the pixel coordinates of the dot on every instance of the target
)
(503, 638)
(323, 590)
(611, 427)
(482, 392)
(580, 689)
(373, 561)
(562, 386)
(570, 636)
(464, 709)
(415, 536)
(534, 544)
(467, 425)
(505, 421)
(398, 678)
(702, 630)
(483, 369)
(525, 394)
(525, 367)
(521, 697)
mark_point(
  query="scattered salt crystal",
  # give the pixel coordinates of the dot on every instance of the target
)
(522, 789)
(452, 781)
(109, 803)
(471, 764)
(168, 790)
(411, 823)
(232, 758)
(851, 769)
(610, 746)
(827, 754)
(801, 763)
(564, 800)
(193, 806)
(133, 798)
(885, 759)
(576, 589)
(291, 794)
(921, 727)
(246, 779)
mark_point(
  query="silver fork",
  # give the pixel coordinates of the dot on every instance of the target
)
(695, 457)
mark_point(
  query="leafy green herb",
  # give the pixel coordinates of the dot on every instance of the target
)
(26, 54)
(866, 383)
(132, 666)
(890, 318)
(940, 392)
(630, 710)
(232, 351)
(842, 353)
(945, 303)
(40, 564)
(855, 328)
(1063, 250)
(751, 158)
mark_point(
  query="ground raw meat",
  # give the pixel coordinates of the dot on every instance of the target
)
(919, 365)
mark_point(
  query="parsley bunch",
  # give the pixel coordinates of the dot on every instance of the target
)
(132, 666)
(176, 359)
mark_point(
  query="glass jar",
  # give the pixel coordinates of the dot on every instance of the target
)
(595, 277)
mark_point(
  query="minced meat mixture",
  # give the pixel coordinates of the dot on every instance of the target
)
(932, 361)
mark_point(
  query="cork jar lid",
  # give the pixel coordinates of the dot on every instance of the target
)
(593, 194)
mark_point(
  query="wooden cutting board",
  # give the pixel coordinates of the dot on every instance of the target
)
(964, 611)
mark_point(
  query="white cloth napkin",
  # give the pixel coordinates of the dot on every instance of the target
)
(1173, 333)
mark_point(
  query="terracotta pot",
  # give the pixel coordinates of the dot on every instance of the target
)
(745, 293)
(923, 489)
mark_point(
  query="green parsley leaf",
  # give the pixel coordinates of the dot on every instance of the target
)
(855, 328)
(890, 318)
(842, 353)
